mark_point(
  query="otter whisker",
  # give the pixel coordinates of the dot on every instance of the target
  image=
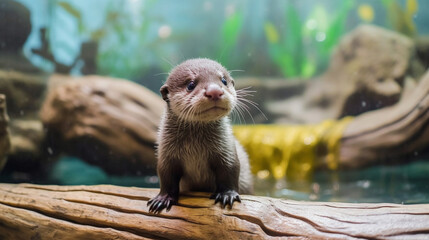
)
(167, 61)
(237, 116)
(244, 92)
(185, 113)
(238, 110)
(245, 89)
(245, 108)
(253, 104)
(235, 70)
(158, 74)
(190, 112)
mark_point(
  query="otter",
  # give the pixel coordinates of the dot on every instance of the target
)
(196, 148)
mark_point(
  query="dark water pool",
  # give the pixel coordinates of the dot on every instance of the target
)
(406, 184)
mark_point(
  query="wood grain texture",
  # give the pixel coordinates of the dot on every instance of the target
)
(112, 212)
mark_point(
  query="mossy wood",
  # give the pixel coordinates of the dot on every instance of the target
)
(111, 212)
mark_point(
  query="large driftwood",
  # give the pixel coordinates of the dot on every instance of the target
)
(366, 72)
(111, 212)
(123, 118)
(108, 122)
(391, 133)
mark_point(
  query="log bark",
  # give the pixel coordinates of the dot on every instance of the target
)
(111, 212)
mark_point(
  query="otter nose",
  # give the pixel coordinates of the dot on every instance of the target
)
(213, 92)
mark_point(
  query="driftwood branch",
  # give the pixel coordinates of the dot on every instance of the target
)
(390, 133)
(111, 212)
(108, 122)
(113, 124)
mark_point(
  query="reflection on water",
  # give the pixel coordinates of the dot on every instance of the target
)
(404, 184)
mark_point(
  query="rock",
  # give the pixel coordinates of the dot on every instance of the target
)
(27, 153)
(366, 72)
(25, 92)
(13, 35)
(4, 132)
(15, 27)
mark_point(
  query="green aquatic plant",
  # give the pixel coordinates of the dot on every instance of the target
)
(119, 55)
(286, 51)
(401, 18)
(302, 48)
(122, 41)
(231, 29)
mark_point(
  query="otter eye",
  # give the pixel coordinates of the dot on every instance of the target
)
(224, 81)
(191, 86)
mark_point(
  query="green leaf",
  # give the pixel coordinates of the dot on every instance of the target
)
(308, 68)
(336, 29)
(74, 12)
(70, 9)
(98, 34)
(230, 32)
(292, 43)
(231, 28)
(386, 2)
(271, 33)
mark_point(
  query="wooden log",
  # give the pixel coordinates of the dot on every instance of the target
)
(108, 122)
(390, 134)
(111, 212)
(81, 113)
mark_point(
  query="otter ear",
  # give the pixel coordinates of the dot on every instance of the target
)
(164, 92)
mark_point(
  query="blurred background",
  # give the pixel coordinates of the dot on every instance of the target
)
(278, 47)
(138, 39)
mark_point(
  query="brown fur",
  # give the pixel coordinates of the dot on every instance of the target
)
(197, 150)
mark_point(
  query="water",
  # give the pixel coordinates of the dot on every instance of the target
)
(401, 184)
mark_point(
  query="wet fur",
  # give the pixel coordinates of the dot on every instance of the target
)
(211, 143)
(197, 150)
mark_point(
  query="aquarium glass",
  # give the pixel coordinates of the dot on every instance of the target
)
(310, 68)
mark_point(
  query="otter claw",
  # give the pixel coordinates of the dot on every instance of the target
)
(226, 198)
(160, 202)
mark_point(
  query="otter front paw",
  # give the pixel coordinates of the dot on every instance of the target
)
(226, 197)
(160, 202)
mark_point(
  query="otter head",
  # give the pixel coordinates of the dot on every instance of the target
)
(199, 90)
